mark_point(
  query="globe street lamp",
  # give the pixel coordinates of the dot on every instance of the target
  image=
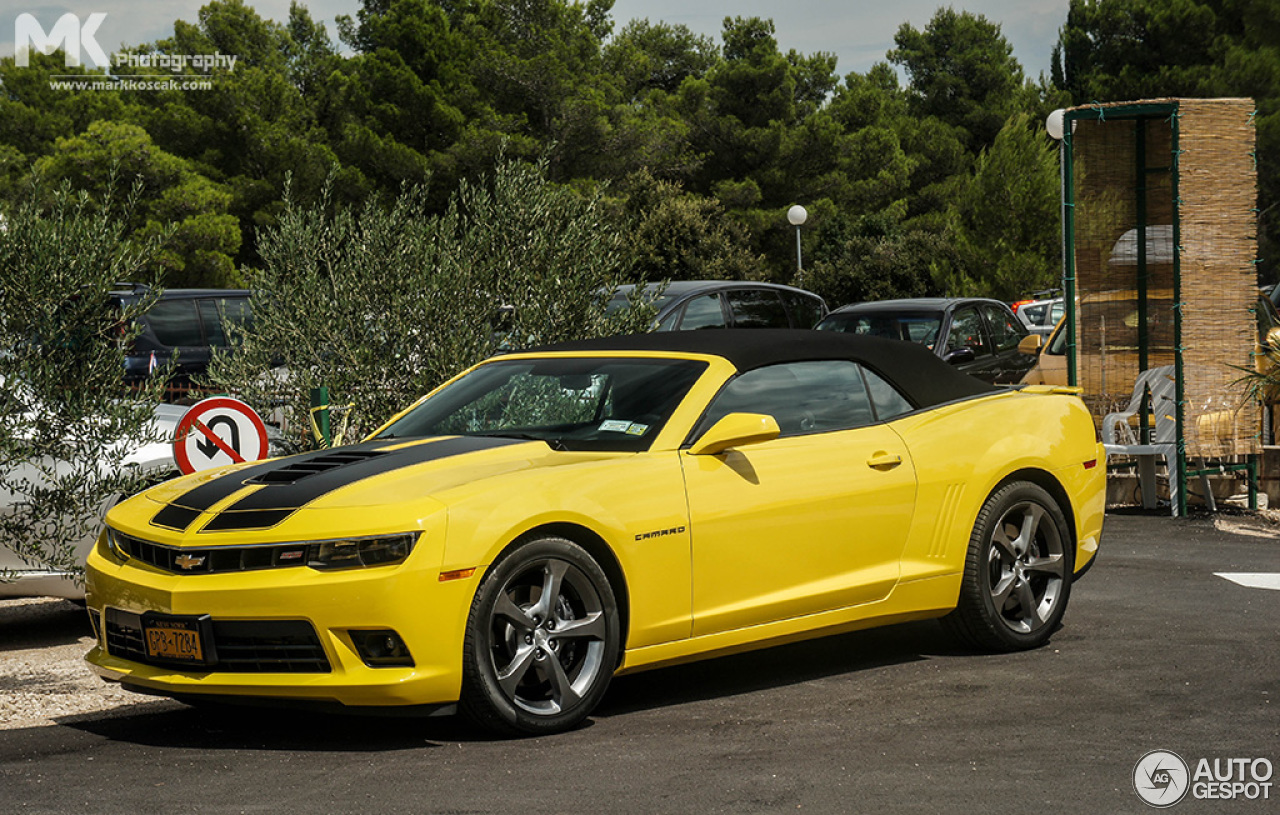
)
(797, 215)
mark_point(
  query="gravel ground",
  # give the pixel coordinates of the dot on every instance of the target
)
(43, 676)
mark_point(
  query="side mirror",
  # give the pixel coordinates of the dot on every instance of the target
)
(1030, 345)
(735, 430)
(960, 356)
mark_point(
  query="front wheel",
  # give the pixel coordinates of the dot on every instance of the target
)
(542, 640)
(1017, 574)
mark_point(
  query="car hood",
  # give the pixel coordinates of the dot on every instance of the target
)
(407, 474)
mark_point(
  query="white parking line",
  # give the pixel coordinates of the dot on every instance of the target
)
(1253, 580)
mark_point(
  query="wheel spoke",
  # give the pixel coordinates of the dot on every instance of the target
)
(512, 613)
(1027, 599)
(1030, 524)
(589, 627)
(562, 692)
(1000, 594)
(1000, 539)
(1051, 565)
(510, 676)
(552, 576)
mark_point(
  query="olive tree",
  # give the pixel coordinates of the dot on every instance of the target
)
(68, 421)
(383, 303)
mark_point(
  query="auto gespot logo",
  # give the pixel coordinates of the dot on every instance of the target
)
(1162, 779)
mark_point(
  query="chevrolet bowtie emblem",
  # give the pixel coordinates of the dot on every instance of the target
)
(188, 562)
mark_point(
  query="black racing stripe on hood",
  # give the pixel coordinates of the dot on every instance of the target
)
(289, 488)
(184, 509)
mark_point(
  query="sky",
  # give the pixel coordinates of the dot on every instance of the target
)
(858, 32)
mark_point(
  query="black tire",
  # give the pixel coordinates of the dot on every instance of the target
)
(542, 640)
(1017, 573)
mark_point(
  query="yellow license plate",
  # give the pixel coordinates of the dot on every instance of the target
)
(174, 639)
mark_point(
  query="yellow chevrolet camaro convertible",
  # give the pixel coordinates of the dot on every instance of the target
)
(548, 519)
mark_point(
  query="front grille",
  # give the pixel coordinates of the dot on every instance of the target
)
(242, 646)
(211, 560)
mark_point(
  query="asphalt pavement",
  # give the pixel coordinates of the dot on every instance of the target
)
(1157, 652)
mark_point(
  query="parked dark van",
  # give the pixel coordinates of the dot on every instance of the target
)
(184, 326)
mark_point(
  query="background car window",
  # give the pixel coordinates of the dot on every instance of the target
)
(803, 397)
(805, 311)
(966, 332)
(919, 327)
(757, 308)
(1006, 331)
(175, 323)
(212, 320)
(236, 312)
(888, 402)
(703, 312)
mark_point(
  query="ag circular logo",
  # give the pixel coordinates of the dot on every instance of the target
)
(1161, 778)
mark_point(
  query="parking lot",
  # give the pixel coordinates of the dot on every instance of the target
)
(1157, 653)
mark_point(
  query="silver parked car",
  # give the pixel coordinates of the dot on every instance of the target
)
(154, 461)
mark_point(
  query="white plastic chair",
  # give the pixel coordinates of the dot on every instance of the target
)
(1120, 438)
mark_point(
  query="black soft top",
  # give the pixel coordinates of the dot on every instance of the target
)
(922, 377)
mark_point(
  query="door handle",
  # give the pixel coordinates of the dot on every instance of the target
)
(883, 460)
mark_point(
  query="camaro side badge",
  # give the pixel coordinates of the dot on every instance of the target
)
(644, 536)
(188, 562)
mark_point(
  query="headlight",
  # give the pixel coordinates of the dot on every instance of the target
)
(353, 553)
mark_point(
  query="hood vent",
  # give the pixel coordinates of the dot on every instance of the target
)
(298, 470)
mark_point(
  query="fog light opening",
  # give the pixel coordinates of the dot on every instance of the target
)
(382, 648)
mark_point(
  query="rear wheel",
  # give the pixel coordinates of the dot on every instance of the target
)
(1017, 575)
(542, 640)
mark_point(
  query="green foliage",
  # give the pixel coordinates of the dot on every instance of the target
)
(68, 424)
(1005, 218)
(875, 257)
(963, 73)
(380, 305)
(184, 211)
(674, 236)
(741, 127)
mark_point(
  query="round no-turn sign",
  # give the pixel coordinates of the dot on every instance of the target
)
(217, 431)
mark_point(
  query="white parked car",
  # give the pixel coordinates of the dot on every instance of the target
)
(1040, 316)
(21, 579)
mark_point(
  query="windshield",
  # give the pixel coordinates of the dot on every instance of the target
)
(913, 326)
(571, 403)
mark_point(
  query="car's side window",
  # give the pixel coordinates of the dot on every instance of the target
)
(213, 332)
(757, 308)
(888, 402)
(966, 332)
(175, 323)
(805, 311)
(703, 312)
(803, 397)
(1005, 334)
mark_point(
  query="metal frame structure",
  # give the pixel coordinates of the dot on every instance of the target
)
(1142, 114)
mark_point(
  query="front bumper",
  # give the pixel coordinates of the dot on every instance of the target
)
(279, 607)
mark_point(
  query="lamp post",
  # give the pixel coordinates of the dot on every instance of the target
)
(797, 215)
